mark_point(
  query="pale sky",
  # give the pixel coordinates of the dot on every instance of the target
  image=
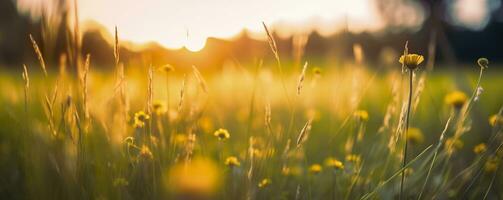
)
(168, 21)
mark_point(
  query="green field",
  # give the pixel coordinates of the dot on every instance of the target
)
(340, 138)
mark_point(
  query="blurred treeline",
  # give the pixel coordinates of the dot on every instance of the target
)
(58, 36)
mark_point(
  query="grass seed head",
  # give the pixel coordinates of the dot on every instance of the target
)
(483, 63)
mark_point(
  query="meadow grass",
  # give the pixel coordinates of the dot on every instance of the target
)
(65, 138)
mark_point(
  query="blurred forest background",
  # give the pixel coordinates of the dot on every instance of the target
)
(455, 44)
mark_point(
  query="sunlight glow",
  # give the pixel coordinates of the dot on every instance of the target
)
(167, 21)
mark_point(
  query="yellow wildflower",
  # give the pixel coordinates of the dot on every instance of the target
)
(232, 161)
(315, 168)
(480, 148)
(353, 158)
(222, 134)
(411, 61)
(293, 171)
(145, 152)
(362, 115)
(495, 120)
(491, 164)
(334, 163)
(167, 68)
(454, 143)
(264, 183)
(415, 136)
(456, 99)
(140, 118)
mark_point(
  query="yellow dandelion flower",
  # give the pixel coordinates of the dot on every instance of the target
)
(257, 153)
(138, 124)
(411, 61)
(415, 136)
(456, 99)
(491, 164)
(139, 119)
(315, 168)
(159, 107)
(232, 161)
(145, 152)
(222, 134)
(291, 171)
(166, 68)
(480, 148)
(362, 115)
(353, 158)
(334, 163)
(454, 143)
(142, 116)
(264, 183)
(495, 120)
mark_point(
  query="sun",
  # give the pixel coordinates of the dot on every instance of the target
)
(195, 44)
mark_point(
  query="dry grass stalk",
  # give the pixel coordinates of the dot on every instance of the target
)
(419, 91)
(39, 54)
(116, 47)
(405, 53)
(150, 89)
(76, 37)
(200, 79)
(304, 133)
(267, 115)
(431, 50)
(85, 85)
(301, 79)
(26, 79)
(272, 42)
(182, 92)
(274, 48)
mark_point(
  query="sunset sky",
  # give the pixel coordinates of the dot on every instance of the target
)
(189, 23)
